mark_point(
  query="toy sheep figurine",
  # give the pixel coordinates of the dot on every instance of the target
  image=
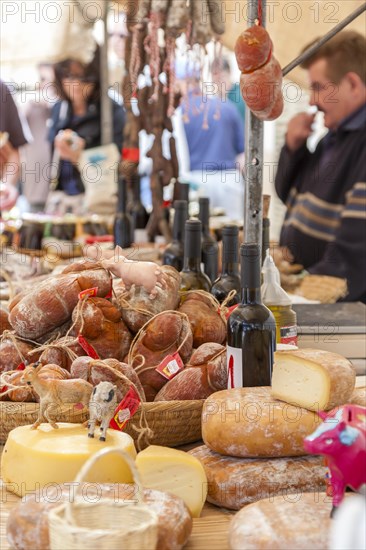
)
(102, 404)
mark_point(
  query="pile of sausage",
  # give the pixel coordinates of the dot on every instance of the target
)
(261, 75)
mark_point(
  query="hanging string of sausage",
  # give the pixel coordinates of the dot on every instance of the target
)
(154, 30)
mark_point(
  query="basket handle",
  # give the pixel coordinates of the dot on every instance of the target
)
(90, 462)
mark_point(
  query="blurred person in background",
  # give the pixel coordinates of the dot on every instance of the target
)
(214, 132)
(227, 89)
(325, 191)
(75, 126)
(35, 176)
(12, 137)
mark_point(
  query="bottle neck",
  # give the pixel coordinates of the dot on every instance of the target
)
(192, 264)
(136, 189)
(230, 268)
(192, 251)
(180, 218)
(251, 296)
(122, 196)
(230, 265)
(251, 277)
(204, 217)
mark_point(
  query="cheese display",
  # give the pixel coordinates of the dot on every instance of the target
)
(297, 522)
(176, 472)
(314, 379)
(37, 458)
(249, 422)
(235, 482)
(27, 525)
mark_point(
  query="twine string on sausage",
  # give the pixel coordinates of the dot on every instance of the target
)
(141, 333)
(124, 304)
(4, 382)
(115, 372)
(215, 304)
(79, 315)
(145, 433)
(9, 335)
(60, 345)
(224, 306)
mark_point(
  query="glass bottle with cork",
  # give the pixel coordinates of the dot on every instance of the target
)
(174, 252)
(229, 278)
(192, 277)
(279, 302)
(122, 228)
(210, 247)
(137, 211)
(251, 328)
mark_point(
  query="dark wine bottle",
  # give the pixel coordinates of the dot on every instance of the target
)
(251, 328)
(122, 229)
(192, 277)
(229, 279)
(174, 252)
(210, 248)
(137, 211)
(184, 192)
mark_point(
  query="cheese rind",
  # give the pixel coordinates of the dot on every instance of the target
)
(33, 459)
(235, 482)
(249, 423)
(175, 472)
(314, 379)
(297, 522)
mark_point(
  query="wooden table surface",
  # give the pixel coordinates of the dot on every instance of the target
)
(209, 531)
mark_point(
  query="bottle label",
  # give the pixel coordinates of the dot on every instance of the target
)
(234, 367)
(288, 335)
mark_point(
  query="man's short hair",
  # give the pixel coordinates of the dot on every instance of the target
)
(344, 53)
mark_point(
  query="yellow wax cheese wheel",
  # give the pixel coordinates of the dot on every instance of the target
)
(33, 459)
(175, 472)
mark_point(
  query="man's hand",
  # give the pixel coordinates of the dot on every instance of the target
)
(69, 145)
(284, 259)
(298, 130)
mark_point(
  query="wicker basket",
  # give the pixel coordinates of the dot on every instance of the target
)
(106, 524)
(172, 422)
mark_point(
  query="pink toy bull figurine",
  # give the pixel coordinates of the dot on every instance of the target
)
(341, 438)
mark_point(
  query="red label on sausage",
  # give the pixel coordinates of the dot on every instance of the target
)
(170, 366)
(88, 348)
(125, 410)
(21, 366)
(90, 292)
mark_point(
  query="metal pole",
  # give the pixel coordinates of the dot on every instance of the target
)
(105, 102)
(310, 51)
(253, 171)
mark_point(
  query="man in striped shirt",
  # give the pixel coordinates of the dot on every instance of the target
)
(325, 191)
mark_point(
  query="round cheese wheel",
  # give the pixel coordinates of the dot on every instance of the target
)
(27, 525)
(46, 456)
(234, 482)
(296, 522)
(248, 422)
